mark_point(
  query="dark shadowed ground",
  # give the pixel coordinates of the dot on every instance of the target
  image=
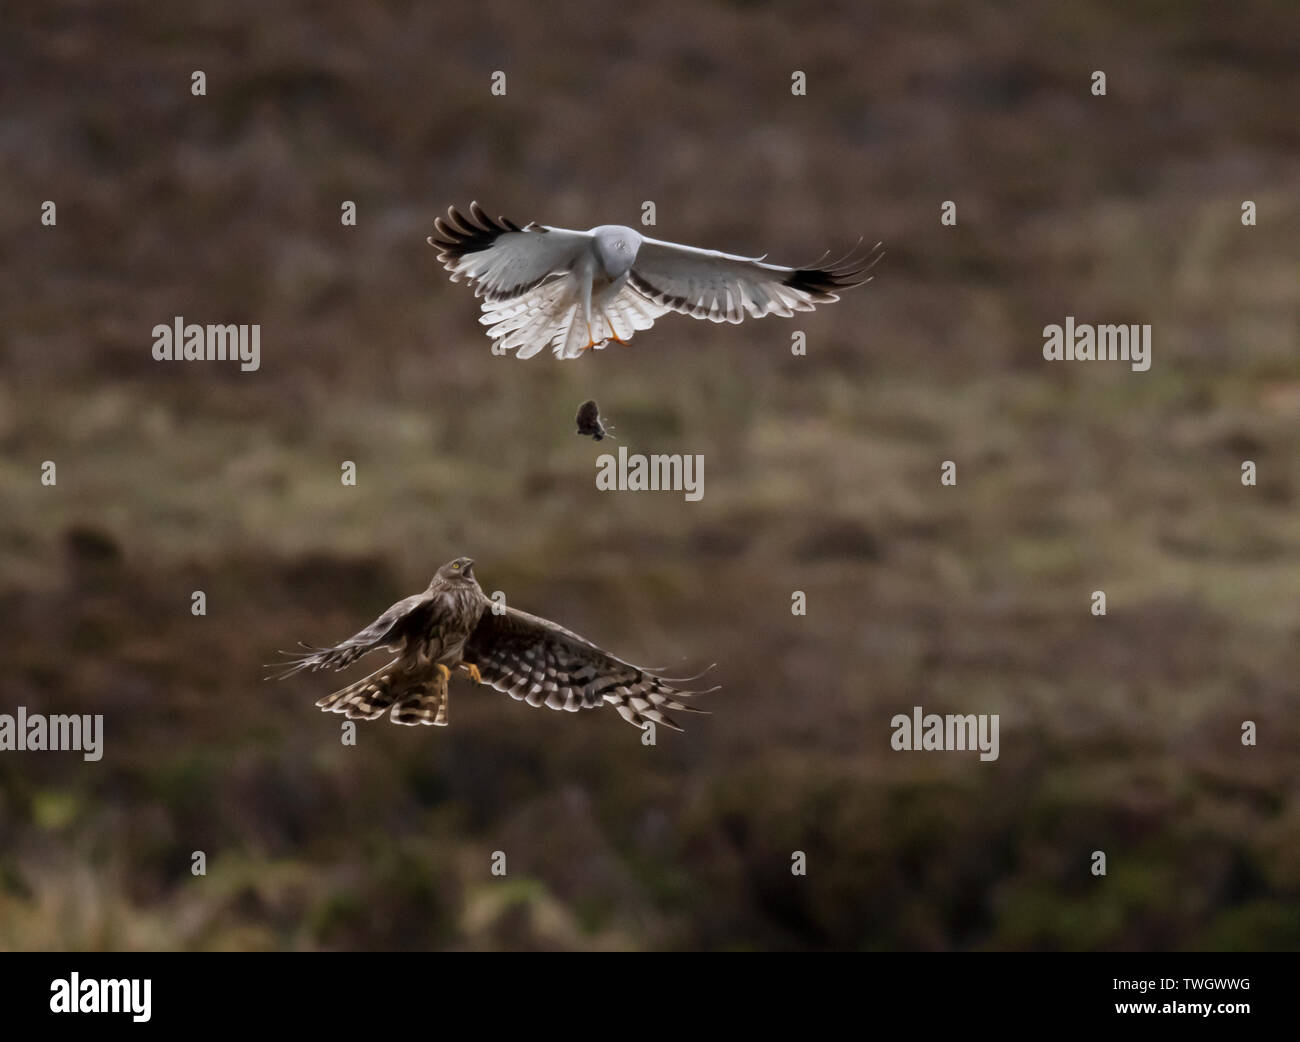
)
(1119, 734)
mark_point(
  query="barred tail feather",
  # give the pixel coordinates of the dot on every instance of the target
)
(424, 703)
(367, 699)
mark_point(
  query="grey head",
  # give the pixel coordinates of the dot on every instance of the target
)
(616, 248)
(457, 572)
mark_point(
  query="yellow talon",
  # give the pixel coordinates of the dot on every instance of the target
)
(473, 672)
(444, 672)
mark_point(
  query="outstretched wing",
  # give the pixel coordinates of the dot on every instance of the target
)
(536, 661)
(404, 619)
(498, 258)
(722, 287)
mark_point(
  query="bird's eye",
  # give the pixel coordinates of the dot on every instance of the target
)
(456, 566)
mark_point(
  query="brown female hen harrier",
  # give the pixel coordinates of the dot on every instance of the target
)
(452, 624)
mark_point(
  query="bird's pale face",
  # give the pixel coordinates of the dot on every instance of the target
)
(616, 247)
(460, 569)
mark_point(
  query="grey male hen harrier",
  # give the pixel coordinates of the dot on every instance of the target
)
(452, 624)
(575, 290)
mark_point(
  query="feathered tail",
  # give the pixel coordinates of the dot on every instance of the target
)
(551, 316)
(367, 698)
(420, 702)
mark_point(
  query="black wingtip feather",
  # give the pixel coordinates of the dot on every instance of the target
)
(456, 234)
(824, 281)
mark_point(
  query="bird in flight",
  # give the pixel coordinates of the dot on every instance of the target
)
(571, 291)
(454, 625)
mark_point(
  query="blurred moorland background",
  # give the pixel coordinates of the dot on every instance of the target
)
(1119, 734)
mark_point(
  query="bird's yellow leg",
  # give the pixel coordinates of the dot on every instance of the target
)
(444, 673)
(613, 335)
(472, 671)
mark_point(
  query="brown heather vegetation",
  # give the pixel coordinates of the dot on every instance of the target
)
(1119, 734)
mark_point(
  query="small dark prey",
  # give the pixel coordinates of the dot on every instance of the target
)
(590, 423)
